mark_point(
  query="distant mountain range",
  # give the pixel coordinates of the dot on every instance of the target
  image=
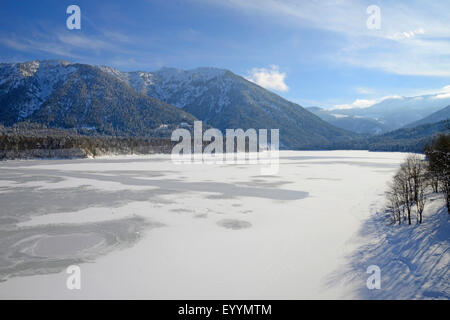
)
(70, 95)
(104, 100)
(440, 115)
(408, 139)
(356, 124)
(403, 140)
(390, 114)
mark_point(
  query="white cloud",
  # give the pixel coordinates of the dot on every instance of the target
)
(31, 45)
(84, 42)
(406, 34)
(406, 18)
(363, 103)
(61, 44)
(393, 96)
(65, 45)
(444, 94)
(416, 57)
(271, 79)
(362, 90)
(358, 103)
(412, 39)
(339, 116)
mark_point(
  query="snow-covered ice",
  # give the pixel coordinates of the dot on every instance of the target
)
(144, 227)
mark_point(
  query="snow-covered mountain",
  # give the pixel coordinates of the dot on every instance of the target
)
(358, 124)
(225, 100)
(397, 112)
(64, 94)
(70, 95)
(27, 85)
(443, 114)
(178, 87)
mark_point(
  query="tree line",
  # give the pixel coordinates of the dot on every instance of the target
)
(31, 140)
(416, 178)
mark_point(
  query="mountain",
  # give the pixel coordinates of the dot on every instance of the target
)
(400, 140)
(394, 113)
(440, 115)
(224, 100)
(356, 124)
(408, 139)
(72, 95)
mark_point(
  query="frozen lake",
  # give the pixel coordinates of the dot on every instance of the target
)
(144, 227)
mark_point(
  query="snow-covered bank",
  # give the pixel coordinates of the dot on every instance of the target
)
(414, 260)
(222, 231)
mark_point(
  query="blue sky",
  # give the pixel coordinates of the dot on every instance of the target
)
(311, 52)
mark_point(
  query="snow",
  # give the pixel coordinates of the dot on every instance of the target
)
(28, 69)
(414, 260)
(339, 115)
(175, 86)
(199, 74)
(46, 74)
(218, 231)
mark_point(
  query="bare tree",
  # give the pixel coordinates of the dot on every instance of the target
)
(394, 202)
(404, 189)
(433, 179)
(438, 155)
(407, 193)
(416, 171)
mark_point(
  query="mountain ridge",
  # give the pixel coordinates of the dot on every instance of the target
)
(72, 95)
(226, 100)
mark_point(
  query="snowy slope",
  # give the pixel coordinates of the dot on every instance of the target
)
(31, 83)
(414, 260)
(440, 115)
(225, 100)
(175, 86)
(70, 95)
